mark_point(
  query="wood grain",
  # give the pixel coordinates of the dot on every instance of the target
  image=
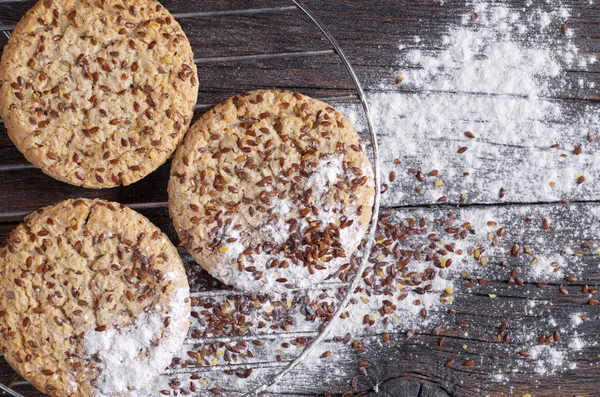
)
(370, 33)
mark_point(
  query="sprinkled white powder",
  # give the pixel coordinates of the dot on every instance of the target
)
(576, 343)
(128, 359)
(548, 360)
(492, 77)
(493, 80)
(547, 268)
(499, 377)
(576, 319)
(279, 206)
(327, 173)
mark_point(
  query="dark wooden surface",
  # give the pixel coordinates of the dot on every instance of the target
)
(407, 365)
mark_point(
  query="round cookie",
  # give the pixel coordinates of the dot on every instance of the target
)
(271, 190)
(97, 93)
(94, 300)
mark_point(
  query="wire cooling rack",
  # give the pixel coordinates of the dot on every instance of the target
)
(367, 243)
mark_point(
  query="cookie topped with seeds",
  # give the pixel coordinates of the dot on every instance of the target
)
(94, 299)
(271, 190)
(97, 93)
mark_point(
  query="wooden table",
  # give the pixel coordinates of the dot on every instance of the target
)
(244, 45)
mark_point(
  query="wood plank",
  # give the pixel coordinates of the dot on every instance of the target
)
(412, 366)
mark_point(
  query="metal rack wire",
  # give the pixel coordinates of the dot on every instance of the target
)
(369, 239)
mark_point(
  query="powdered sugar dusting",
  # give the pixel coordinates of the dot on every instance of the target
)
(326, 174)
(493, 77)
(548, 359)
(474, 121)
(275, 229)
(129, 358)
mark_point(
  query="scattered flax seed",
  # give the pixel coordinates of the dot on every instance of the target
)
(593, 302)
(326, 354)
(392, 176)
(590, 136)
(515, 250)
(468, 363)
(399, 79)
(449, 363)
(577, 150)
(564, 29)
(563, 290)
(556, 336)
(545, 224)
(570, 279)
(462, 150)
(524, 353)
(580, 179)
(469, 134)
(501, 192)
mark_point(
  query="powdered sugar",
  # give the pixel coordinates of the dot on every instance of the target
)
(276, 230)
(548, 360)
(493, 77)
(129, 358)
(576, 319)
(576, 343)
(326, 174)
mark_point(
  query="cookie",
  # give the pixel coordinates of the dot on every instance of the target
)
(94, 299)
(271, 190)
(97, 93)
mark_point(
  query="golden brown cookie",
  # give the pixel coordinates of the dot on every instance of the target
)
(97, 93)
(94, 299)
(271, 190)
